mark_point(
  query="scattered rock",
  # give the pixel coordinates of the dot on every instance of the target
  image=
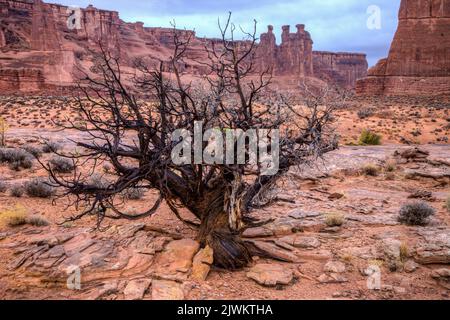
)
(202, 264)
(435, 246)
(335, 196)
(391, 249)
(421, 194)
(177, 256)
(275, 252)
(303, 242)
(259, 232)
(410, 266)
(332, 278)
(301, 214)
(413, 154)
(285, 226)
(271, 275)
(335, 267)
(135, 289)
(167, 290)
(106, 290)
(442, 276)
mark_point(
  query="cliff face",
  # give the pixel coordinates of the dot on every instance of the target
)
(39, 48)
(419, 58)
(342, 69)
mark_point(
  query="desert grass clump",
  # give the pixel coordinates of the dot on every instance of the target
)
(371, 170)
(14, 217)
(365, 113)
(416, 213)
(61, 165)
(37, 221)
(38, 188)
(334, 220)
(390, 166)
(404, 252)
(369, 138)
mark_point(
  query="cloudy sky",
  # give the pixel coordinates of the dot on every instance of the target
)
(335, 25)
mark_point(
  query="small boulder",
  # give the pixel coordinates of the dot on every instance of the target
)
(135, 289)
(177, 256)
(167, 290)
(271, 275)
(332, 278)
(335, 267)
(410, 266)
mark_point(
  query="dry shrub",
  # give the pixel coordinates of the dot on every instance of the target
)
(37, 221)
(416, 213)
(371, 170)
(14, 217)
(38, 188)
(61, 165)
(17, 191)
(334, 219)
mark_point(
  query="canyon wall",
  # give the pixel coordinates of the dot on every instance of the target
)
(342, 69)
(419, 57)
(42, 46)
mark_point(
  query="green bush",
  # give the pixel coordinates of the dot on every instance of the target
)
(369, 138)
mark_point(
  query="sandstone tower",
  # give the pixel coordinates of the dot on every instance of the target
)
(419, 58)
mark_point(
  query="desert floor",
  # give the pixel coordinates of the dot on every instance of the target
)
(156, 258)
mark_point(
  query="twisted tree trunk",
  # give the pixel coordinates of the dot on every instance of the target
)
(219, 215)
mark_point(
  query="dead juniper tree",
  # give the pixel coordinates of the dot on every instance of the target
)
(135, 136)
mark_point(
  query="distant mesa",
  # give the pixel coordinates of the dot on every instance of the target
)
(419, 59)
(39, 52)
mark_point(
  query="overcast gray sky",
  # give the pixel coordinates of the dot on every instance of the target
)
(335, 25)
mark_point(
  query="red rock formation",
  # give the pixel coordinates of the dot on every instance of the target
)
(29, 80)
(419, 58)
(342, 69)
(38, 37)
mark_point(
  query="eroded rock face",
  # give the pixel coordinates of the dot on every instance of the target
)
(342, 69)
(52, 47)
(419, 59)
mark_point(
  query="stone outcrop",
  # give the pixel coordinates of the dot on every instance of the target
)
(42, 47)
(419, 57)
(342, 68)
(295, 56)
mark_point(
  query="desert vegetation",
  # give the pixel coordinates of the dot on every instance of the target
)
(88, 180)
(416, 214)
(219, 196)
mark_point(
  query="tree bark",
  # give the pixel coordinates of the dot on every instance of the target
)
(230, 251)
